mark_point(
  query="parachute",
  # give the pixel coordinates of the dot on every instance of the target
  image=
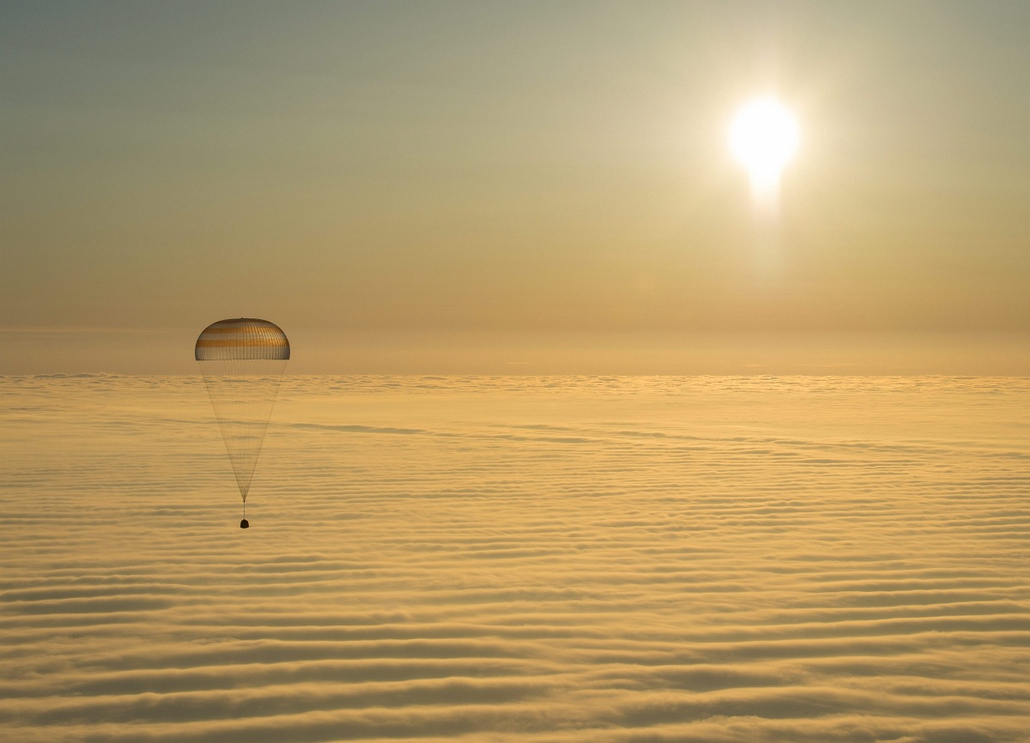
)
(243, 361)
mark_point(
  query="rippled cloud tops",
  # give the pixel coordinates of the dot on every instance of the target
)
(517, 559)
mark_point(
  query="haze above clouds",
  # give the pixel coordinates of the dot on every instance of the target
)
(504, 168)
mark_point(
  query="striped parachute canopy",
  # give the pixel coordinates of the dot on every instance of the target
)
(242, 362)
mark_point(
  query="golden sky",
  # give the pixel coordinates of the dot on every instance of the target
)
(512, 167)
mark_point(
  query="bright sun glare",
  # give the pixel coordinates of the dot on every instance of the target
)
(764, 137)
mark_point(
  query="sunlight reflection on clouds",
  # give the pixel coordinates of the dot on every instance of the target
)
(562, 559)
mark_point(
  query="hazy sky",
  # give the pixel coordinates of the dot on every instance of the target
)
(511, 166)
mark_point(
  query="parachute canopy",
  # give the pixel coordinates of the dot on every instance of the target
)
(245, 339)
(242, 362)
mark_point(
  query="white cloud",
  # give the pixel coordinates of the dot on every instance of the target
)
(492, 559)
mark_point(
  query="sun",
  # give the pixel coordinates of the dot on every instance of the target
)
(764, 137)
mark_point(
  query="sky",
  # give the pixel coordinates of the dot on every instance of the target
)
(513, 175)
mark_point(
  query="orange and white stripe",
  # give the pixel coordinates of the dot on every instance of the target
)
(242, 338)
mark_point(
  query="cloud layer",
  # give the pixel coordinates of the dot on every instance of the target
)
(499, 559)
